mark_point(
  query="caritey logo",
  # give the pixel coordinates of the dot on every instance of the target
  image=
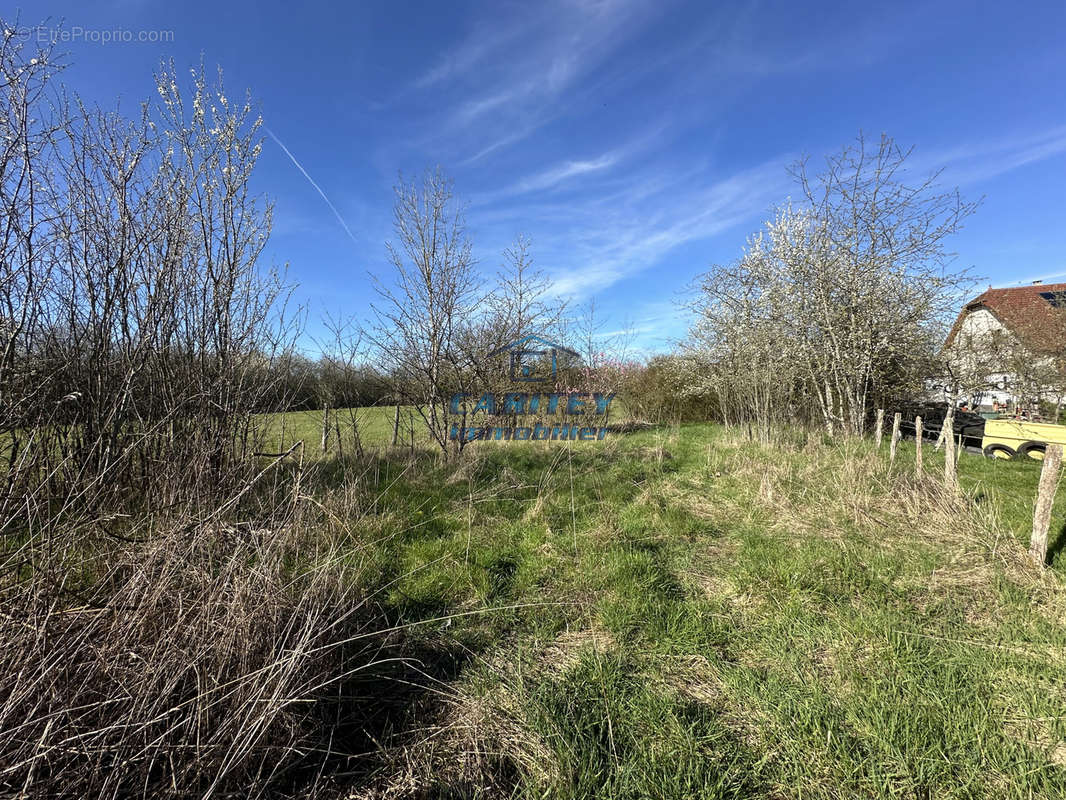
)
(532, 360)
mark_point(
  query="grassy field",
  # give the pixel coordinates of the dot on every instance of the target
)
(681, 613)
(373, 423)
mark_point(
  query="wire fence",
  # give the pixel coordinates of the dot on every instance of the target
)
(934, 431)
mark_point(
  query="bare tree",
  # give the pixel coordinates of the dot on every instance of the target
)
(521, 303)
(423, 313)
(344, 361)
(138, 326)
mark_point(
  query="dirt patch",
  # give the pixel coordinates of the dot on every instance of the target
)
(1036, 734)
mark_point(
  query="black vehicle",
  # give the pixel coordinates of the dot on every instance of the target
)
(967, 424)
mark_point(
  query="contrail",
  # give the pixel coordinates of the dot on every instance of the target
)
(311, 181)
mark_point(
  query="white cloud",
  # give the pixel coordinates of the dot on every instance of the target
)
(505, 81)
(488, 40)
(979, 161)
(563, 172)
(598, 240)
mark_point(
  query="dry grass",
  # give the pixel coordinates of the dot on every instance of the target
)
(183, 660)
(476, 738)
(475, 745)
(843, 490)
(568, 647)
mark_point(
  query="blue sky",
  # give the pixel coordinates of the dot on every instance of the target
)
(636, 143)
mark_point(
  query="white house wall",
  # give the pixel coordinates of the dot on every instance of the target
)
(981, 323)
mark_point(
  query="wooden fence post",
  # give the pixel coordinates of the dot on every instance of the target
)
(895, 438)
(396, 424)
(325, 428)
(1045, 499)
(918, 445)
(951, 482)
(878, 427)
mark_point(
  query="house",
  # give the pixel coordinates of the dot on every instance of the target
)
(1008, 346)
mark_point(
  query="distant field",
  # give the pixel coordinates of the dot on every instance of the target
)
(374, 424)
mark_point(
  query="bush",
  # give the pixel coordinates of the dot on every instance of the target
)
(658, 392)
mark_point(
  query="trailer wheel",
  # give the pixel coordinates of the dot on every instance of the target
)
(999, 451)
(1033, 450)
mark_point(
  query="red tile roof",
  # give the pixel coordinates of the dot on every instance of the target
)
(1026, 313)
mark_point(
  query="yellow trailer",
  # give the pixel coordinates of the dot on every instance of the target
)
(1010, 438)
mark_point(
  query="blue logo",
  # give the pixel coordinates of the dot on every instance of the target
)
(533, 359)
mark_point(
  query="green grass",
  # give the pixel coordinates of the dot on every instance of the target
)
(374, 425)
(682, 613)
(672, 614)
